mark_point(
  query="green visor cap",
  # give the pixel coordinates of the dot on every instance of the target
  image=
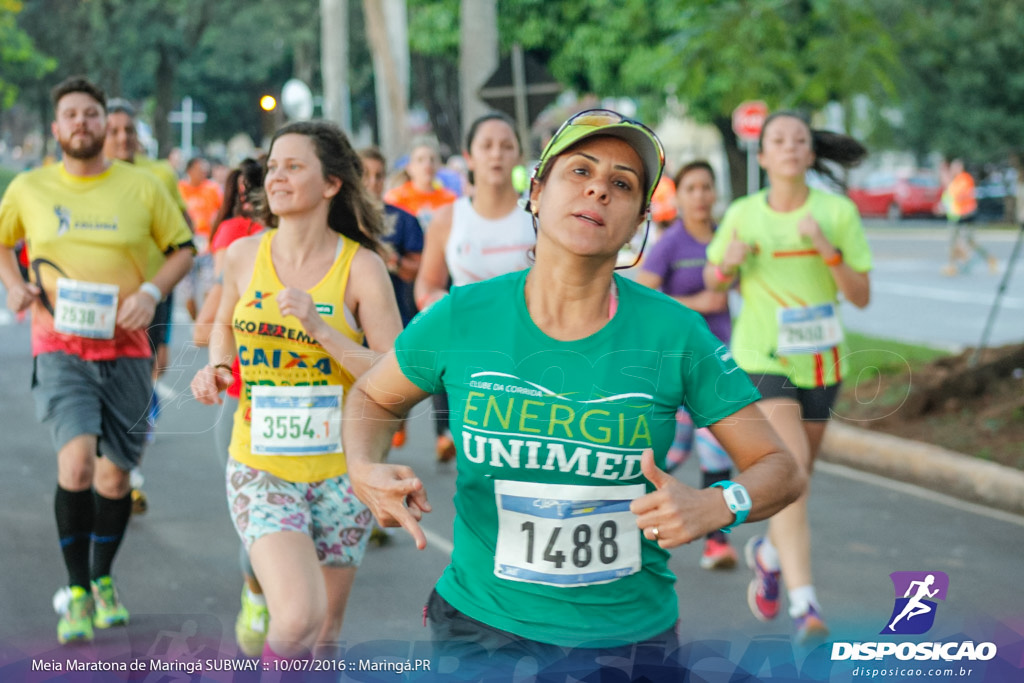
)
(595, 122)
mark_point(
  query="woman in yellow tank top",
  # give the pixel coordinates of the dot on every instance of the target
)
(296, 303)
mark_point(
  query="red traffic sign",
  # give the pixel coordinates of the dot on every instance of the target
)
(748, 118)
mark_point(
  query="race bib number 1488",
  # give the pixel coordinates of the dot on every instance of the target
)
(564, 535)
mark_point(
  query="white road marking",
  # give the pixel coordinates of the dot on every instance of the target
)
(936, 234)
(919, 492)
(946, 294)
(437, 541)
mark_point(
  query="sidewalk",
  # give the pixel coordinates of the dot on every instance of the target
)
(925, 465)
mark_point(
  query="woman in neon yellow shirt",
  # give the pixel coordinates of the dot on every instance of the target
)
(795, 249)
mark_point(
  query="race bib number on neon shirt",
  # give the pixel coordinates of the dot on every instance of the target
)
(562, 535)
(296, 420)
(808, 330)
(85, 309)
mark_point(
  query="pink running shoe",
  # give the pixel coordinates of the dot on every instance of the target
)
(718, 554)
(763, 591)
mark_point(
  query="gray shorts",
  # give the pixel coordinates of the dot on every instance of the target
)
(107, 398)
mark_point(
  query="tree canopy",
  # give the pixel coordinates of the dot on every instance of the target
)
(962, 84)
(19, 57)
(222, 53)
(939, 76)
(710, 54)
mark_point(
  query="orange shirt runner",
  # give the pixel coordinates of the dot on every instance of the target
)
(419, 203)
(203, 202)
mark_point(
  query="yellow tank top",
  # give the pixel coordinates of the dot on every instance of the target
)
(275, 351)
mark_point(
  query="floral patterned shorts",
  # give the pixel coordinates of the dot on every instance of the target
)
(327, 511)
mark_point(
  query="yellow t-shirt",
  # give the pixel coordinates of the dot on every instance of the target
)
(165, 174)
(95, 229)
(274, 350)
(169, 179)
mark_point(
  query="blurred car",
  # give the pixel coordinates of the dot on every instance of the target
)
(895, 197)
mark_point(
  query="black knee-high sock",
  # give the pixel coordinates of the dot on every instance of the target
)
(710, 478)
(111, 521)
(74, 512)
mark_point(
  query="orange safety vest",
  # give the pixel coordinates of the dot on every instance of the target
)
(961, 195)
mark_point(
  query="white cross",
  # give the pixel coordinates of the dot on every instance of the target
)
(186, 117)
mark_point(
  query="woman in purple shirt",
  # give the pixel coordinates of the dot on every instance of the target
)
(675, 266)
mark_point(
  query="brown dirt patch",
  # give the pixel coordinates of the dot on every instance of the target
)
(978, 411)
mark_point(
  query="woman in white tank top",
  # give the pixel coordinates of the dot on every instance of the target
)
(478, 237)
(487, 234)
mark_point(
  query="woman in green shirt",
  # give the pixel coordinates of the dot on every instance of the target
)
(563, 410)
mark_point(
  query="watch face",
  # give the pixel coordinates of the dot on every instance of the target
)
(738, 501)
(740, 496)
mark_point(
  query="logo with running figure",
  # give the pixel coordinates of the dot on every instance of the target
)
(63, 218)
(914, 610)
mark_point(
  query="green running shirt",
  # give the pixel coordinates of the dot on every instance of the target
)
(549, 436)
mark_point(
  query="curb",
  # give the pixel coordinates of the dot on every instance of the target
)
(932, 467)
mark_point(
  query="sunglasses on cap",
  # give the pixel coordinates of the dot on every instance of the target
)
(601, 117)
(607, 122)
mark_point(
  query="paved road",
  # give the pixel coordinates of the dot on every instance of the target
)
(912, 301)
(177, 569)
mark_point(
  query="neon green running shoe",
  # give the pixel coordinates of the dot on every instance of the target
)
(75, 608)
(251, 625)
(109, 610)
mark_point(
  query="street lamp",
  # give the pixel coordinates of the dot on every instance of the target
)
(269, 116)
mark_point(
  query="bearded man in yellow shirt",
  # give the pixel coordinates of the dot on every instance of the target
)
(88, 223)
